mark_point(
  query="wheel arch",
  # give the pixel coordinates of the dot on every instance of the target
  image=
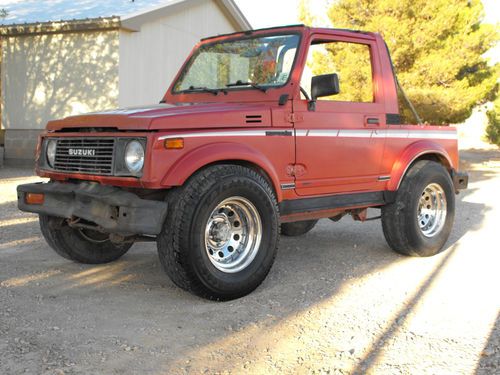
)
(222, 153)
(422, 150)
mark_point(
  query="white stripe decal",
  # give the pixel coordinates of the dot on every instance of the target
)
(340, 133)
(355, 133)
(242, 133)
(432, 134)
(378, 133)
(322, 133)
(301, 133)
(392, 133)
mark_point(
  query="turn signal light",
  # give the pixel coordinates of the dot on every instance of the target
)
(34, 198)
(174, 143)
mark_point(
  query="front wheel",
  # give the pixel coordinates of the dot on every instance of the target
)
(80, 245)
(221, 235)
(419, 222)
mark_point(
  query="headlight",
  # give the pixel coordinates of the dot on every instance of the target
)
(134, 157)
(51, 152)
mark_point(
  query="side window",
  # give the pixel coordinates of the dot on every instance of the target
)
(351, 62)
(286, 57)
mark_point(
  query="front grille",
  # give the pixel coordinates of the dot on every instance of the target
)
(85, 155)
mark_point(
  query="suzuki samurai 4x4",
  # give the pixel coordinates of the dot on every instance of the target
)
(249, 140)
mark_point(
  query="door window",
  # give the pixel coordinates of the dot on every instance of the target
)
(351, 62)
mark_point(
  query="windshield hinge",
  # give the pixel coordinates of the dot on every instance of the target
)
(294, 117)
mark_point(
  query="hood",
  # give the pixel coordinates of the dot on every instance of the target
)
(171, 117)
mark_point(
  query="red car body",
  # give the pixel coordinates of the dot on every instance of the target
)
(217, 170)
(340, 148)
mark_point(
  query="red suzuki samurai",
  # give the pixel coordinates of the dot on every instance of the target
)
(250, 138)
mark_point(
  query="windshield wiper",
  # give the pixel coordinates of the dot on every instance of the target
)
(203, 89)
(241, 83)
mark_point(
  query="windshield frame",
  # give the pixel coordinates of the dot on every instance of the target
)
(226, 90)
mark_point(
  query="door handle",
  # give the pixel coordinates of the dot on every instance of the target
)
(372, 122)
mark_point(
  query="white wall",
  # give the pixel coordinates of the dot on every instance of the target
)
(51, 76)
(150, 58)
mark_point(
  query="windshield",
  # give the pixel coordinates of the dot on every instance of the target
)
(259, 62)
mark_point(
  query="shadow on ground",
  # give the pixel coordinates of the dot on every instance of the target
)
(128, 316)
(489, 362)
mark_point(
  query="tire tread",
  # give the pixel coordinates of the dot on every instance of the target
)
(396, 224)
(174, 238)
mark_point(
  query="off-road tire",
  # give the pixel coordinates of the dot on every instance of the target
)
(71, 244)
(181, 244)
(399, 219)
(297, 228)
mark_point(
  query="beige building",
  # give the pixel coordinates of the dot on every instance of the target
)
(51, 69)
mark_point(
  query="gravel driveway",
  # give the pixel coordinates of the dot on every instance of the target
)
(337, 301)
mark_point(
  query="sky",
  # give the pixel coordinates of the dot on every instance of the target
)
(266, 13)
(260, 13)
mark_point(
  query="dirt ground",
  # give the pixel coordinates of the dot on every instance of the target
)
(337, 301)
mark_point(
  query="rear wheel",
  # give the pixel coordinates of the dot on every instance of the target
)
(419, 222)
(221, 236)
(80, 245)
(297, 228)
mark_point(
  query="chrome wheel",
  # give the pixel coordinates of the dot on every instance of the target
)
(431, 213)
(233, 234)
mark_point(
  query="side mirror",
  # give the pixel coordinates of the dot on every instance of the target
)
(323, 85)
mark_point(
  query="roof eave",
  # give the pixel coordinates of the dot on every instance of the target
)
(57, 27)
(236, 14)
(133, 22)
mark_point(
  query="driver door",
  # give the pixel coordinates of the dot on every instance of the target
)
(339, 144)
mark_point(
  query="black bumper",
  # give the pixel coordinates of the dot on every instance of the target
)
(460, 180)
(111, 208)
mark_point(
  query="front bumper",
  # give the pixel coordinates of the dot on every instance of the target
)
(112, 209)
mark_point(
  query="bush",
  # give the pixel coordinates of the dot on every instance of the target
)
(493, 128)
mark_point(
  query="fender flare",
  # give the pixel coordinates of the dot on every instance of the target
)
(412, 153)
(202, 156)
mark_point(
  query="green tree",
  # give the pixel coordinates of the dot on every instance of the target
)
(493, 128)
(437, 49)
